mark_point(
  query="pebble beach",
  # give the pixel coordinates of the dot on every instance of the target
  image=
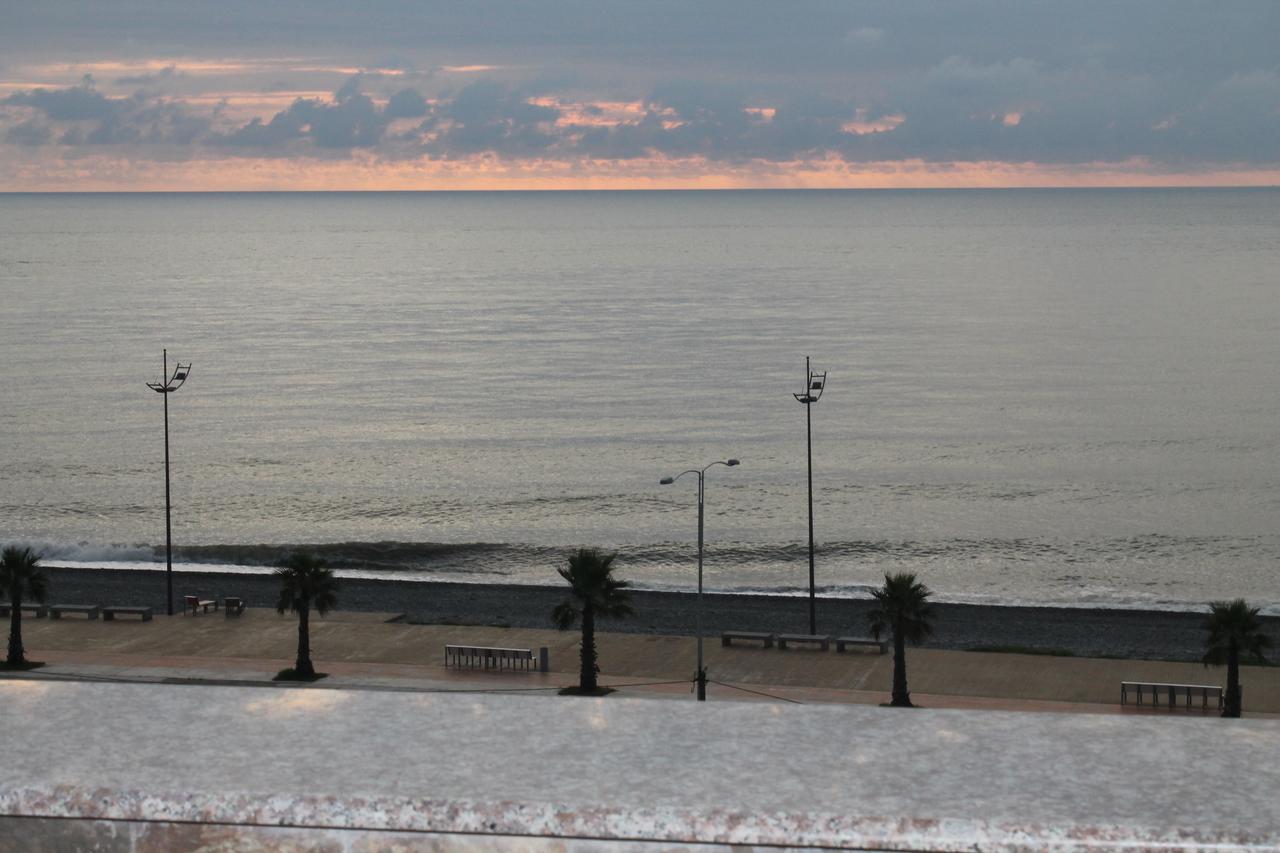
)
(1082, 632)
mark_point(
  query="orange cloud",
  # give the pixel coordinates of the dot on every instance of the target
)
(860, 126)
(365, 171)
(471, 69)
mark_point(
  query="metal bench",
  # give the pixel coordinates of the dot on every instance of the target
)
(491, 657)
(195, 604)
(39, 611)
(841, 642)
(822, 641)
(232, 606)
(90, 611)
(1155, 690)
(727, 636)
(109, 613)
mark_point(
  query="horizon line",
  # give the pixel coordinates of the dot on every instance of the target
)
(588, 190)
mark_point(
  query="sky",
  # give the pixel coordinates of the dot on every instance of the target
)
(646, 94)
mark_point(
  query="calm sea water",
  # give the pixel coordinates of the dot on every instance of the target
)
(1050, 396)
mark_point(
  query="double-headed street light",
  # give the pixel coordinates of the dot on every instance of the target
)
(666, 481)
(814, 383)
(165, 387)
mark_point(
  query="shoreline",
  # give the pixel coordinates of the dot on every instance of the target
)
(788, 593)
(1078, 631)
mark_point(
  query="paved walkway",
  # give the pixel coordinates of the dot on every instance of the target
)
(367, 651)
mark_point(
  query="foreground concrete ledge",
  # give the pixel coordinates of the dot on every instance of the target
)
(726, 773)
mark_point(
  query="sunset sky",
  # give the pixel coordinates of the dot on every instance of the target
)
(246, 94)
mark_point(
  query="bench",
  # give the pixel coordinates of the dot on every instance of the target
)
(90, 611)
(823, 641)
(232, 606)
(196, 604)
(756, 636)
(1155, 690)
(109, 613)
(488, 657)
(39, 611)
(841, 642)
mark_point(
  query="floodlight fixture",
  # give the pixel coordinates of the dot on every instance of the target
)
(814, 385)
(166, 386)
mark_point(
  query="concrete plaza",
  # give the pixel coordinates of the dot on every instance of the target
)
(370, 650)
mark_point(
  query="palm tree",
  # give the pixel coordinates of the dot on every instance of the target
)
(902, 608)
(1233, 628)
(593, 591)
(305, 582)
(20, 577)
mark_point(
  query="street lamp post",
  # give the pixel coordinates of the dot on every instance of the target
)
(814, 384)
(165, 387)
(666, 481)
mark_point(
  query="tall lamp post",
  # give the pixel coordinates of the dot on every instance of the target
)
(666, 481)
(166, 386)
(814, 383)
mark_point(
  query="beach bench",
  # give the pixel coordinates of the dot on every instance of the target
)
(490, 657)
(841, 642)
(232, 606)
(822, 641)
(1155, 690)
(196, 604)
(109, 613)
(90, 611)
(39, 611)
(727, 636)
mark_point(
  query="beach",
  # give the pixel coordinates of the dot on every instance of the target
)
(1082, 632)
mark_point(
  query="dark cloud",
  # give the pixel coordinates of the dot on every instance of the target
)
(487, 117)
(351, 121)
(283, 128)
(29, 133)
(75, 103)
(101, 120)
(406, 104)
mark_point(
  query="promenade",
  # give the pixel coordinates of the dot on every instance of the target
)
(369, 651)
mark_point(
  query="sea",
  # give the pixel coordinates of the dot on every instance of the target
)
(1064, 397)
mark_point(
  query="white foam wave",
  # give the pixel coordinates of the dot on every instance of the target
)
(59, 553)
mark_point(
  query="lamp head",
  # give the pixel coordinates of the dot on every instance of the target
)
(732, 462)
(666, 481)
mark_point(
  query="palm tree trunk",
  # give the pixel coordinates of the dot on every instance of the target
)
(901, 698)
(1231, 708)
(303, 665)
(587, 675)
(16, 652)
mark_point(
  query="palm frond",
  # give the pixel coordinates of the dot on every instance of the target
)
(901, 608)
(306, 582)
(564, 615)
(20, 574)
(1233, 625)
(589, 574)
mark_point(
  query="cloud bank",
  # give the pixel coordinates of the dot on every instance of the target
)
(1169, 88)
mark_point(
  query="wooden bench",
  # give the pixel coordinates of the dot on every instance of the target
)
(823, 641)
(488, 657)
(39, 611)
(196, 604)
(232, 606)
(109, 613)
(90, 611)
(841, 642)
(1155, 690)
(756, 636)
